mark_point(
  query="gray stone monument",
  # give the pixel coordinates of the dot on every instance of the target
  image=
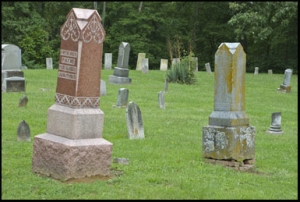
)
(108, 61)
(161, 100)
(11, 63)
(163, 64)
(134, 121)
(275, 127)
(139, 62)
(256, 70)
(102, 87)
(207, 67)
(121, 71)
(122, 100)
(72, 146)
(23, 131)
(285, 87)
(145, 65)
(229, 137)
(49, 63)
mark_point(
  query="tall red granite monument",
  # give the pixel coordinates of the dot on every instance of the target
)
(72, 146)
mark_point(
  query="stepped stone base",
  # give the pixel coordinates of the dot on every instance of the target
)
(119, 80)
(284, 89)
(63, 159)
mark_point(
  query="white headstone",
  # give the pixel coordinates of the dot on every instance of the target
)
(139, 63)
(164, 64)
(145, 65)
(49, 63)
(108, 61)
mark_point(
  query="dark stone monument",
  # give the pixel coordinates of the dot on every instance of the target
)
(23, 101)
(23, 132)
(72, 146)
(121, 71)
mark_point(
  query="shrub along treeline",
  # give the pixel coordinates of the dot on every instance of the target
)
(266, 30)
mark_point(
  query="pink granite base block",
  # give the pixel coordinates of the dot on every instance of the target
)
(72, 123)
(62, 158)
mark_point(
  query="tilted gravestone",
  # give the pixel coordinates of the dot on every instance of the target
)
(166, 85)
(121, 71)
(207, 67)
(23, 101)
(229, 137)
(161, 99)
(23, 131)
(134, 121)
(11, 62)
(285, 87)
(275, 127)
(139, 63)
(75, 121)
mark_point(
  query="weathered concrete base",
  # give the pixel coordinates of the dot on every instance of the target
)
(284, 89)
(228, 143)
(72, 123)
(119, 80)
(242, 166)
(274, 132)
(62, 158)
(13, 84)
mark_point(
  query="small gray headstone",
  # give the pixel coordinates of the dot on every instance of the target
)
(23, 132)
(145, 65)
(108, 61)
(134, 121)
(196, 63)
(275, 127)
(139, 62)
(270, 71)
(122, 97)
(14, 84)
(161, 100)
(102, 87)
(163, 64)
(123, 55)
(23, 101)
(166, 85)
(285, 86)
(256, 70)
(49, 63)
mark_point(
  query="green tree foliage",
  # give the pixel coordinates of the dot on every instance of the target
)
(268, 31)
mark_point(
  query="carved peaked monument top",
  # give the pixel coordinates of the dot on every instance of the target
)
(232, 47)
(83, 24)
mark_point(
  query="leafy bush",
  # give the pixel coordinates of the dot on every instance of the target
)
(183, 71)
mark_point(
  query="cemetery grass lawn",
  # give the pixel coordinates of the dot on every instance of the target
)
(167, 163)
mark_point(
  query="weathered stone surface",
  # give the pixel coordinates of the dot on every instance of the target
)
(161, 100)
(228, 142)
(139, 61)
(82, 123)
(14, 84)
(108, 61)
(275, 127)
(163, 64)
(285, 86)
(134, 121)
(63, 158)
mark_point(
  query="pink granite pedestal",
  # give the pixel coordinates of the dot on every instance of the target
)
(63, 159)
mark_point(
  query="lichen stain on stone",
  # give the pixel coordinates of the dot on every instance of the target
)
(136, 131)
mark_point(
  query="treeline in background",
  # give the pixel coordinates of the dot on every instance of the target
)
(268, 31)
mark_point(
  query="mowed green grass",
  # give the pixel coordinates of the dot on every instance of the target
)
(167, 163)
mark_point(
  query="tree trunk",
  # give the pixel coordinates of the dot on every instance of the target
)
(141, 5)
